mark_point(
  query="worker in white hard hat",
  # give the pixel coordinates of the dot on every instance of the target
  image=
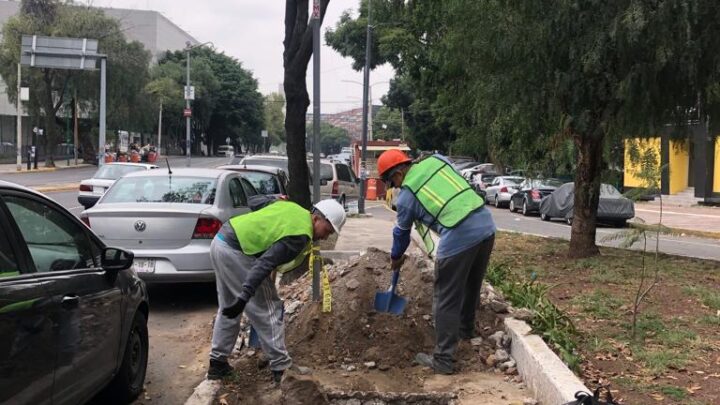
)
(276, 236)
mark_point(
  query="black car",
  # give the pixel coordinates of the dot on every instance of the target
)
(73, 316)
(613, 207)
(531, 192)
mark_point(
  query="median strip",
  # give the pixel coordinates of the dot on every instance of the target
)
(55, 188)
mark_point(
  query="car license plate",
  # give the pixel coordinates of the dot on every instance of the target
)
(98, 190)
(144, 265)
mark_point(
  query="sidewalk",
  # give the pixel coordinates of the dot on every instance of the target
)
(360, 233)
(10, 168)
(697, 221)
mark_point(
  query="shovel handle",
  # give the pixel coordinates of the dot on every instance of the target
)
(395, 278)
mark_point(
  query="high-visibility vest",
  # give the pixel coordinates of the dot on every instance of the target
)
(443, 193)
(259, 230)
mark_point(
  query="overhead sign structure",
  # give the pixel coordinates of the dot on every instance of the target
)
(67, 53)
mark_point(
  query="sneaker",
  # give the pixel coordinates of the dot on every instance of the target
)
(218, 369)
(427, 360)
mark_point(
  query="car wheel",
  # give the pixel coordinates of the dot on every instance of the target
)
(341, 200)
(129, 381)
(512, 205)
(497, 201)
(544, 217)
(569, 220)
(525, 211)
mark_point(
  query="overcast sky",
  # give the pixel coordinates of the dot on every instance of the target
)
(252, 31)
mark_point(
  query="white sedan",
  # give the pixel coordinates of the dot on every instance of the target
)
(92, 189)
(501, 189)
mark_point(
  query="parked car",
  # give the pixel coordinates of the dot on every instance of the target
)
(265, 179)
(168, 219)
(480, 181)
(73, 315)
(337, 181)
(93, 188)
(614, 208)
(500, 190)
(481, 168)
(280, 162)
(530, 193)
(226, 150)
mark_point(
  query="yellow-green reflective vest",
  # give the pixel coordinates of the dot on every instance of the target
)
(443, 193)
(259, 230)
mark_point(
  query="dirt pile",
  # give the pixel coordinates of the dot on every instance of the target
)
(355, 348)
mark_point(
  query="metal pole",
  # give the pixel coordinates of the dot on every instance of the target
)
(187, 106)
(402, 124)
(366, 87)
(19, 121)
(103, 106)
(316, 135)
(159, 130)
(75, 126)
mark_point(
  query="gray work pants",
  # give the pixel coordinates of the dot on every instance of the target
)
(264, 310)
(458, 279)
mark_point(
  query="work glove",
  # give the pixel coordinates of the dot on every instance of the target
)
(396, 264)
(235, 309)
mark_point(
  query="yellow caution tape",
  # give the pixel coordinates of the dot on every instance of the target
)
(325, 282)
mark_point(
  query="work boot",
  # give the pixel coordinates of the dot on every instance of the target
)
(427, 360)
(218, 369)
(468, 334)
(277, 376)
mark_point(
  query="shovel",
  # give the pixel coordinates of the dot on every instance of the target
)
(388, 301)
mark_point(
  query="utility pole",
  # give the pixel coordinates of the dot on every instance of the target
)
(187, 107)
(366, 91)
(317, 265)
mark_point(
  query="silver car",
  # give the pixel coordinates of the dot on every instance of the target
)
(93, 188)
(169, 219)
(501, 189)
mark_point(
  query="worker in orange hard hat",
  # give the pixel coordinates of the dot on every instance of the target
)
(434, 197)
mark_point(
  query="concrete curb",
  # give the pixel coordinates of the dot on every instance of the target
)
(204, 393)
(45, 169)
(549, 379)
(340, 254)
(56, 188)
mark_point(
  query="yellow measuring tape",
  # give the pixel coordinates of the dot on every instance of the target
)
(325, 279)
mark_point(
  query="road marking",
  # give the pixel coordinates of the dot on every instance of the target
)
(679, 213)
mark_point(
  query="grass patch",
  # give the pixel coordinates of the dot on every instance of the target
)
(673, 392)
(709, 320)
(709, 297)
(599, 304)
(660, 360)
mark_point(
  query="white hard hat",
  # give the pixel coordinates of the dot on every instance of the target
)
(333, 212)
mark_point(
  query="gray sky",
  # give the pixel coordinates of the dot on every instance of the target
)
(252, 31)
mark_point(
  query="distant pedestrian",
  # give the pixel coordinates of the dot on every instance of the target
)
(433, 196)
(276, 236)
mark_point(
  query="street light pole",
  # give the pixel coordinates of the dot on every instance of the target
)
(366, 88)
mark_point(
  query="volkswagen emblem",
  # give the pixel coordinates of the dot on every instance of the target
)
(140, 226)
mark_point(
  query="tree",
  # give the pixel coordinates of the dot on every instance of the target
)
(296, 56)
(332, 138)
(387, 124)
(275, 117)
(50, 89)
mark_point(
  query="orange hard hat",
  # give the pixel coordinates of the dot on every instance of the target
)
(389, 159)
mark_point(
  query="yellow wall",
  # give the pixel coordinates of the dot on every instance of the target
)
(630, 178)
(679, 165)
(716, 176)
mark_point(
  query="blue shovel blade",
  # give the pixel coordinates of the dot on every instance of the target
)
(389, 302)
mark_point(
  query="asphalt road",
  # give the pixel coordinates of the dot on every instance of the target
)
(515, 222)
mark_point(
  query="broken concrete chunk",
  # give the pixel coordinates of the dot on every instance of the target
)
(497, 337)
(501, 355)
(304, 370)
(491, 360)
(293, 307)
(499, 307)
(383, 367)
(530, 401)
(427, 317)
(523, 314)
(476, 341)
(370, 364)
(352, 284)
(506, 365)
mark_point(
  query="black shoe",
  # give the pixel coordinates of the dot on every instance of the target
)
(427, 360)
(468, 335)
(277, 376)
(218, 369)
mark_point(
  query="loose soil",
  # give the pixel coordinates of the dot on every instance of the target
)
(675, 358)
(336, 345)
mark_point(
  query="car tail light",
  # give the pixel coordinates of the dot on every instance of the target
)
(535, 194)
(86, 220)
(504, 190)
(85, 187)
(335, 188)
(206, 228)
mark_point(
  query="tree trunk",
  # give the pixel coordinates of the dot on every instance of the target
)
(296, 56)
(587, 195)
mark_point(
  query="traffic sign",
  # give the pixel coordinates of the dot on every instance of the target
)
(187, 112)
(264, 133)
(189, 92)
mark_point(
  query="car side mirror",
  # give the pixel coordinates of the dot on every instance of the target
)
(116, 259)
(323, 182)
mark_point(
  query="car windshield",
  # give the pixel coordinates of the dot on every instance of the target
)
(163, 189)
(114, 172)
(326, 171)
(264, 183)
(279, 163)
(546, 183)
(512, 181)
